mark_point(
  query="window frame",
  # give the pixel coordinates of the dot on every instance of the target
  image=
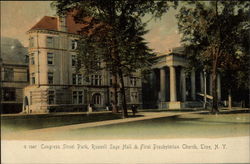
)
(134, 96)
(50, 73)
(32, 59)
(77, 97)
(50, 58)
(33, 78)
(133, 81)
(50, 41)
(74, 44)
(96, 80)
(97, 99)
(31, 42)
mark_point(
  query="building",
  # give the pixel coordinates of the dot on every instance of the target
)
(54, 83)
(14, 74)
(171, 87)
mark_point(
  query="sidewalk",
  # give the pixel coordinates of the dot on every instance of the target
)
(142, 116)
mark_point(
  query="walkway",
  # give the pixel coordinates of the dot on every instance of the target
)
(143, 116)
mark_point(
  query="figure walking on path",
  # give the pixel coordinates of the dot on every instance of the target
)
(134, 109)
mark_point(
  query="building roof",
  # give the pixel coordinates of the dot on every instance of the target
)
(46, 23)
(13, 52)
(51, 23)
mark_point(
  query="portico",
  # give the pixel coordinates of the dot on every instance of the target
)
(172, 77)
(174, 86)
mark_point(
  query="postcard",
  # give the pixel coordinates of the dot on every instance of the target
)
(124, 82)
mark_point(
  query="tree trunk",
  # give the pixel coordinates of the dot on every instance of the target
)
(115, 95)
(214, 93)
(123, 94)
(229, 99)
(214, 109)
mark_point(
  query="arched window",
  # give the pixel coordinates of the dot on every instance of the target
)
(97, 98)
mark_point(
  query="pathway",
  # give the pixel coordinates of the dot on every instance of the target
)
(145, 116)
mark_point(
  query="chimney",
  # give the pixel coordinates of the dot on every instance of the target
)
(62, 26)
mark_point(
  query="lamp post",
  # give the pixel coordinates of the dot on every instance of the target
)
(205, 89)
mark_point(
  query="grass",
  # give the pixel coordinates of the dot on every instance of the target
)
(188, 126)
(226, 124)
(28, 122)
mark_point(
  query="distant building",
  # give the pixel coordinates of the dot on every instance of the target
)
(54, 83)
(14, 74)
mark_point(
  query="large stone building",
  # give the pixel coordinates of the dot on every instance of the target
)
(54, 83)
(14, 74)
(170, 86)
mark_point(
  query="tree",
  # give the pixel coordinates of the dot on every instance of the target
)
(114, 35)
(211, 31)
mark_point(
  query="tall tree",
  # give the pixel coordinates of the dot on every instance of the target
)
(115, 35)
(211, 31)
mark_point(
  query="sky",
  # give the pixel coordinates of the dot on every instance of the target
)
(17, 17)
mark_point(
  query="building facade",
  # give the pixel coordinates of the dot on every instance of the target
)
(14, 74)
(55, 85)
(170, 86)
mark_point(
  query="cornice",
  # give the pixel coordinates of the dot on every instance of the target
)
(45, 31)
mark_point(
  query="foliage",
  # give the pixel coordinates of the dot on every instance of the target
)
(114, 34)
(216, 36)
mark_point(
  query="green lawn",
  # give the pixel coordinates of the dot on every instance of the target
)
(186, 126)
(201, 126)
(29, 122)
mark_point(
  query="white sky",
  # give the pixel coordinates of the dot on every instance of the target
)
(17, 17)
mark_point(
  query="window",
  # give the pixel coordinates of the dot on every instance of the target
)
(73, 60)
(79, 79)
(50, 58)
(77, 97)
(133, 81)
(134, 96)
(51, 98)
(33, 78)
(50, 78)
(8, 74)
(26, 59)
(73, 44)
(32, 59)
(110, 81)
(9, 94)
(49, 41)
(80, 97)
(111, 94)
(97, 99)
(96, 79)
(31, 42)
(74, 79)
(74, 97)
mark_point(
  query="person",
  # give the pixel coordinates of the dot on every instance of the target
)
(107, 107)
(133, 109)
(90, 109)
